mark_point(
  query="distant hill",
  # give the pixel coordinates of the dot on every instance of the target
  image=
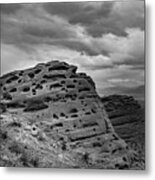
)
(127, 116)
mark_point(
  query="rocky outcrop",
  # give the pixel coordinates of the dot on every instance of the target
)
(54, 118)
(127, 116)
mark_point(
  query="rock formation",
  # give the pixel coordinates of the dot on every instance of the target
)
(51, 116)
(128, 119)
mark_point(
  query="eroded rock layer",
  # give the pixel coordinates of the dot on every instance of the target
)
(127, 116)
(55, 113)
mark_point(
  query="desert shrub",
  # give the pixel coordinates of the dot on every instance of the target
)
(35, 162)
(29, 161)
(27, 156)
(85, 158)
(16, 148)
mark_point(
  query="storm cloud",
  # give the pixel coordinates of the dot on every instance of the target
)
(104, 39)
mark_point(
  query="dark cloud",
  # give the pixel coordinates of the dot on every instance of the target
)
(87, 14)
(137, 92)
(53, 32)
(101, 17)
(133, 63)
(44, 31)
(80, 12)
(105, 39)
(64, 9)
(9, 8)
(138, 66)
(37, 29)
(97, 67)
(92, 15)
(105, 27)
(78, 45)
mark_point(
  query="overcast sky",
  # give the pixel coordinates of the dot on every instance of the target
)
(104, 39)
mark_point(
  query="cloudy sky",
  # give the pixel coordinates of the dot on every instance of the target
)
(104, 39)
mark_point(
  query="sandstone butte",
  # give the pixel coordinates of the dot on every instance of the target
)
(52, 116)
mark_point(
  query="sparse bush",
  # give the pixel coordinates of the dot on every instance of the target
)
(85, 157)
(15, 148)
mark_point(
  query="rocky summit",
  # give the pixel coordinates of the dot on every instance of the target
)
(51, 116)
